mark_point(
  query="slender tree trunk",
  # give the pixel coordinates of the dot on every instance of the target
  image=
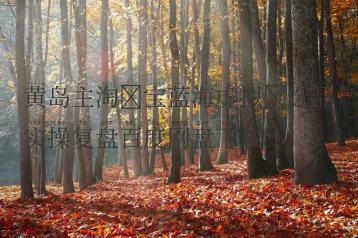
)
(204, 155)
(270, 153)
(312, 164)
(225, 83)
(256, 166)
(98, 169)
(23, 113)
(121, 150)
(69, 150)
(336, 107)
(134, 148)
(174, 174)
(321, 68)
(288, 142)
(155, 122)
(184, 35)
(80, 64)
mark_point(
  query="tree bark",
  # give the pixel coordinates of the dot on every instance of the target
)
(98, 169)
(137, 165)
(271, 122)
(80, 64)
(312, 164)
(204, 155)
(225, 83)
(69, 150)
(174, 174)
(23, 113)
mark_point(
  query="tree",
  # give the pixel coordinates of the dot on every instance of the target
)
(336, 107)
(142, 81)
(155, 119)
(312, 164)
(174, 173)
(135, 150)
(271, 120)
(121, 150)
(81, 75)
(67, 179)
(184, 38)
(25, 162)
(204, 155)
(98, 169)
(40, 76)
(288, 142)
(256, 166)
(225, 83)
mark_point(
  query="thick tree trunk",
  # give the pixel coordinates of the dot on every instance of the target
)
(288, 142)
(271, 122)
(23, 113)
(336, 107)
(174, 174)
(103, 123)
(256, 166)
(312, 164)
(204, 155)
(225, 83)
(69, 149)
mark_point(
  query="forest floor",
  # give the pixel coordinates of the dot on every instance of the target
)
(220, 203)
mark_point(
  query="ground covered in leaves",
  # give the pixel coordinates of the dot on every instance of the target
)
(220, 203)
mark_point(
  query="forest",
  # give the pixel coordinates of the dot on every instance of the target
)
(178, 118)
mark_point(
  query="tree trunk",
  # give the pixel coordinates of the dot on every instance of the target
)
(69, 150)
(288, 142)
(134, 148)
(256, 166)
(204, 155)
(23, 113)
(98, 169)
(121, 150)
(271, 122)
(155, 122)
(336, 107)
(225, 83)
(184, 35)
(312, 164)
(174, 174)
(80, 64)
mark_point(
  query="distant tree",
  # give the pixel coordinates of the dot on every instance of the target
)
(312, 164)
(204, 155)
(336, 107)
(174, 173)
(23, 113)
(225, 83)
